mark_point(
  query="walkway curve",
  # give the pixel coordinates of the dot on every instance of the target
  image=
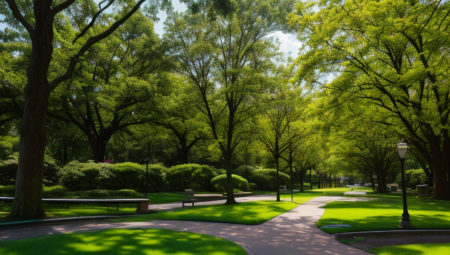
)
(293, 232)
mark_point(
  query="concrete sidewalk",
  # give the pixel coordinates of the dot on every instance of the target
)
(293, 232)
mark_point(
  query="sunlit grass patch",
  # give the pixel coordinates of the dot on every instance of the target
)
(123, 242)
(244, 213)
(384, 212)
(413, 249)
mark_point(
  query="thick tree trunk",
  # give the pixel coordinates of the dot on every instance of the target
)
(302, 179)
(28, 195)
(98, 149)
(441, 165)
(278, 182)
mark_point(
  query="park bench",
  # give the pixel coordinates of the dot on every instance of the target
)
(142, 203)
(188, 197)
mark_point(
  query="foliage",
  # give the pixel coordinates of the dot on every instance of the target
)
(413, 177)
(84, 176)
(47, 192)
(8, 171)
(220, 182)
(156, 180)
(252, 186)
(265, 179)
(190, 176)
(125, 176)
(125, 193)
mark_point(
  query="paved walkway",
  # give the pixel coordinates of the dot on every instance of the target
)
(168, 206)
(355, 193)
(293, 232)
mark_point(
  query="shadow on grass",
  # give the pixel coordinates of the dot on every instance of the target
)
(124, 242)
(245, 213)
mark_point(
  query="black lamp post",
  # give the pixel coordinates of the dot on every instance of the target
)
(402, 148)
(146, 160)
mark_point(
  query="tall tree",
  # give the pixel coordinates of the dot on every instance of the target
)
(37, 21)
(224, 58)
(393, 54)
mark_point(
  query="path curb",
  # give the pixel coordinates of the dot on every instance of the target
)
(392, 233)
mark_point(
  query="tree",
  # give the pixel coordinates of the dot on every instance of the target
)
(225, 58)
(176, 113)
(114, 85)
(279, 131)
(36, 21)
(393, 54)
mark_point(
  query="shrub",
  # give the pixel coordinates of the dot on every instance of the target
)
(156, 178)
(413, 177)
(54, 191)
(253, 186)
(244, 171)
(127, 193)
(265, 179)
(125, 176)
(8, 171)
(190, 176)
(220, 182)
(7, 190)
(84, 176)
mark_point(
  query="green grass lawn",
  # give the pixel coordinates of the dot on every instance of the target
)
(413, 249)
(384, 212)
(244, 213)
(123, 242)
(58, 211)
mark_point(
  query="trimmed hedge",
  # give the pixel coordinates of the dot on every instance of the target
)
(78, 176)
(8, 171)
(413, 177)
(128, 193)
(265, 179)
(220, 182)
(47, 192)
(156, 180)
(125, 176)
(84, 176)
(190, 176)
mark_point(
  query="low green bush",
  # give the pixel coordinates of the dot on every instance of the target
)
(54, 191)
(125, 193)
(253, 186)
(244, 171)
(265, 179)
(7, 191)
(8, 171)
(220, 182)
(190, 176)
(156, 179)
(413, 177)
(78, 176)
(125, 176)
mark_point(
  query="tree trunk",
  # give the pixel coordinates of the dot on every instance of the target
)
(98, 147)
(230, 193)
(278, 182)
(28, 194)
(441, 165)
(302, 179)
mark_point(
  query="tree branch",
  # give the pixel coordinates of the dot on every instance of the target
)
(16, 12)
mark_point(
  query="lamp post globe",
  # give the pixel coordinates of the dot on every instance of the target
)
(402, 149)
(146, 160)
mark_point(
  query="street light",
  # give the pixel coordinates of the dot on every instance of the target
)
(402, 148)
(146, 160)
